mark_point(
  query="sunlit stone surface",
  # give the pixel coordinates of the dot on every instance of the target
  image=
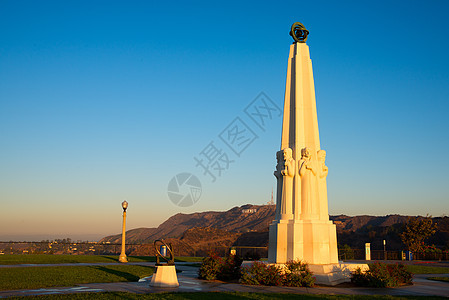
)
(165, 276)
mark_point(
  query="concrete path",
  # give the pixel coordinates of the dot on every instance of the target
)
(189, 283)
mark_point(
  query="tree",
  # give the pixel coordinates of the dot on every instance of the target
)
(417, 230)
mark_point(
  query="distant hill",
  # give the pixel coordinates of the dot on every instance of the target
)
(247, 225)
(238, 219)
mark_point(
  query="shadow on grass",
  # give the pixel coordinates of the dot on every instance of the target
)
(143, 258)
(188, 259)
(124, 275)
(114, 259)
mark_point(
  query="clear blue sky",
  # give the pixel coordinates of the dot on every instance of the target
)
(102, 101)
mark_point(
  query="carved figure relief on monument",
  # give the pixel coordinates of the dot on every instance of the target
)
(287, 189)
(322, 185)
(307, 172)
(278, 175)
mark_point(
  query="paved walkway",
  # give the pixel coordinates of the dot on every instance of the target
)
(189, 283)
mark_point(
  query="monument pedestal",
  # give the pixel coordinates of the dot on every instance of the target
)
(333, 274)
(312, 241)
(165, 276)
(315, 243)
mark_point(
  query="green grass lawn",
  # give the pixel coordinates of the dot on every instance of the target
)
(217, 296)
(188, 259)
(42, 277)
(13, 259)
(417, 269)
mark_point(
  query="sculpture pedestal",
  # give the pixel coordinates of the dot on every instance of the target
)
(333, 274)
(312, 241)
(165, 276)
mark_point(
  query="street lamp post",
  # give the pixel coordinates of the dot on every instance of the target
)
(122, 257)
(385, 250)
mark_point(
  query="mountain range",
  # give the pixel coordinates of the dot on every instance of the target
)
(247, 225)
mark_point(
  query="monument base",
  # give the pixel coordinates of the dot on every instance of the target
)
(165, 276)
(333, 274)
(312, 241)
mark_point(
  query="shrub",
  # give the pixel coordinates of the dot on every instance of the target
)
(359, 278)
(382, 275)
(261, 274)
(210, 267)
(214, 267)
(432, 249)
(401, 273)
(295, 273)
(230, 268)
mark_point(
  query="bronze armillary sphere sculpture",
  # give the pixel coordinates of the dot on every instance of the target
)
(170, 259)
(299, 33)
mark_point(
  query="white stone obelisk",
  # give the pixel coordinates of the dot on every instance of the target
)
(302, 229)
